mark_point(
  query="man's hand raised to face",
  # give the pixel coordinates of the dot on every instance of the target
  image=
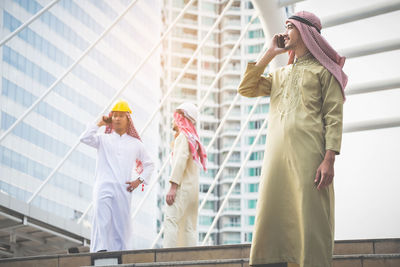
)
(272, 51)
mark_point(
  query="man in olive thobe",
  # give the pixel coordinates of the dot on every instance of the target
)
(295, 211)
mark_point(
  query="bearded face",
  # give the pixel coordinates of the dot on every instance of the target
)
(292, 37)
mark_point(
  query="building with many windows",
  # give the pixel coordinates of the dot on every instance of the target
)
(30, 63)
(34, 59)
(236, 223)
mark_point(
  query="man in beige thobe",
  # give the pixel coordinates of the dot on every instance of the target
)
(188, 155)
(295, 211)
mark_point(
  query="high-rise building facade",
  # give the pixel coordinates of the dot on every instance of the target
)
(237, 220)
(34, 59)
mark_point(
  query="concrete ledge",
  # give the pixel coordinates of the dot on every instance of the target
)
(367, 246)
(371, 260)
(225, 262)
(206, 253)
(225, 255)
(387, 246)
(367, 256)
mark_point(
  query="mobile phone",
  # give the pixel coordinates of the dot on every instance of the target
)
(281, 42)
(107, 119)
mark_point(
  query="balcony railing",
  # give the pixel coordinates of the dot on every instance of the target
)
(235, 225)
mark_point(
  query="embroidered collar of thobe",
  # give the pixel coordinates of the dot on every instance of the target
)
(290, 98)
(304, 60)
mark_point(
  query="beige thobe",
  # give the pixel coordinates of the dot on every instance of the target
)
(295, 221)
(181, 217)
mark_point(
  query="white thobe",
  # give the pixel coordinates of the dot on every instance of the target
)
(116, 163)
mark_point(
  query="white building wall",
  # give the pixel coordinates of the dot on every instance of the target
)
(35, 58)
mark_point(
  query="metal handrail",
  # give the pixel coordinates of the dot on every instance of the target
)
(228, 111)
(200, 46)
(226, 197)
(119, 92)
(165, 97)
(48, 90)
(225, 160)
(27, 23)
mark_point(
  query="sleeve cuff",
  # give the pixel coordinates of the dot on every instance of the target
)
(172, 180)
(336, 150)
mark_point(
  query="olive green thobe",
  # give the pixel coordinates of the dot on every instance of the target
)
(181, 217)
(294, 221)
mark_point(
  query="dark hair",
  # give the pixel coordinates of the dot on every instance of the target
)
(180, 111)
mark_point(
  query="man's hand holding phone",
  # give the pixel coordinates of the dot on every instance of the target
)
(104, 121)
(276, 47)
(280, 41)
(278, 44)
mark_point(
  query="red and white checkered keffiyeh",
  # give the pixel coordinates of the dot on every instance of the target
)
(196, 148)
(131, 128)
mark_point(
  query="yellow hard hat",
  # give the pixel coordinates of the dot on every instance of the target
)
(122, 106)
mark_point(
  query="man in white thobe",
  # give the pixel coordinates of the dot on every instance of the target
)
(119, 152)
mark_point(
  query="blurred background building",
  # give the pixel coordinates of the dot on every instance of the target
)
(31, 62)
(59, 216)
(237, 221)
